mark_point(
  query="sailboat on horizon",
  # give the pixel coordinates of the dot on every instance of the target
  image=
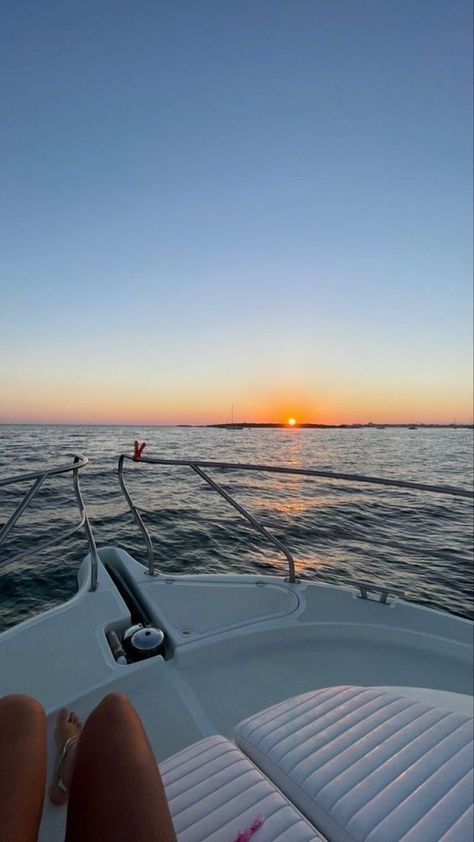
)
(233, 425)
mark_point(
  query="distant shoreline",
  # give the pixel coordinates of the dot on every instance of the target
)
(370, 425)
(244, 425)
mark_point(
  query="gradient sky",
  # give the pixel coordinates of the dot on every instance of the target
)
(264, 204)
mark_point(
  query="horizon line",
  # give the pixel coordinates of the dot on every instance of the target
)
(237, 424)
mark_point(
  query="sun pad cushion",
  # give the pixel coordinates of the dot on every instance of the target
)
(368, 766)
(214, 792)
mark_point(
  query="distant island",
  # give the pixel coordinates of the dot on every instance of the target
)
(370, 425)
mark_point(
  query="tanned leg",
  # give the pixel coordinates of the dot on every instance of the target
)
(22, 767)
(116, 791)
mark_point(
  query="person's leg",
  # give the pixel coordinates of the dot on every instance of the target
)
(116, 790)
(22, 767)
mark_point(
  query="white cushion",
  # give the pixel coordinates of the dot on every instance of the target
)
(366, 765)
(214, 793)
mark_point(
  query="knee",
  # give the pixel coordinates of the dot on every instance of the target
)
(115, 701)
(21, 706)
(21, 717)
(113, 706)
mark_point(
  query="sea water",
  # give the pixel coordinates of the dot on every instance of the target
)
(338, 532)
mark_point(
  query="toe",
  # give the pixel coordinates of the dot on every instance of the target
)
(57, 795)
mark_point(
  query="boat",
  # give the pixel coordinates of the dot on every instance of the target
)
(339, 713)
(232, 425)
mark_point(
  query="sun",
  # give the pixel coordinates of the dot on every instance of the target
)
(291, 422)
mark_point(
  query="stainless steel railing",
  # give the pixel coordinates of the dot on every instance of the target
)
(197, 466)
(39, 478)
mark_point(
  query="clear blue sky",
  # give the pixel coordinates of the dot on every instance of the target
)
(213, 202)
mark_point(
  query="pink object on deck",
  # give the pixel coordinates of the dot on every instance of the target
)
(245, 835)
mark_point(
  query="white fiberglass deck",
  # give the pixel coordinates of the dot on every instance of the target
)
(236, 645)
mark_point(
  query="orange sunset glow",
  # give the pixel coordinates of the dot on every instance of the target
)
(156, 397)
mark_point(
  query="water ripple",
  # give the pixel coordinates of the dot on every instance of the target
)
(417, 542)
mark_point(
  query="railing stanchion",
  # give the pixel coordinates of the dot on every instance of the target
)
(8, 526)
(87, 527)
(253, 521)
(137, 517)
(39, 477)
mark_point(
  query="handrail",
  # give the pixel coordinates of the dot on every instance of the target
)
(277, 469)
(80, 462)
(197, 466)
(255, 523)
(136, 515)
(39, 477)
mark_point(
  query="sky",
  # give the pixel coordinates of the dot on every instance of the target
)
(263, 205)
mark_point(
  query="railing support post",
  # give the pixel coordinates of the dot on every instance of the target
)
(39, 477)
(137, 517)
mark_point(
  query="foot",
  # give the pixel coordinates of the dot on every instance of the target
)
(66, 734)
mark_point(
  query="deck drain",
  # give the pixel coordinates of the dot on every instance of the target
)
(186, 632)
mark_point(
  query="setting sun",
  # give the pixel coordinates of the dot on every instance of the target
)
(292, 422)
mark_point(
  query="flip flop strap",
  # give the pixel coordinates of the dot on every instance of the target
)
(66, 748)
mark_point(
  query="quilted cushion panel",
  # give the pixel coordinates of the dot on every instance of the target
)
(368, 766)
(215, 792)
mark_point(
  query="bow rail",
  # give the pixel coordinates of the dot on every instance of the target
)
(39, 478)
(197, 465)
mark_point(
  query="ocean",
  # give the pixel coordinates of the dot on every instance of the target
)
(418, 542)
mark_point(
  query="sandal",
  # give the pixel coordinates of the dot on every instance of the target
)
(58, 791)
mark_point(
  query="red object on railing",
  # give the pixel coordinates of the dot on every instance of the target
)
(138, 450)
